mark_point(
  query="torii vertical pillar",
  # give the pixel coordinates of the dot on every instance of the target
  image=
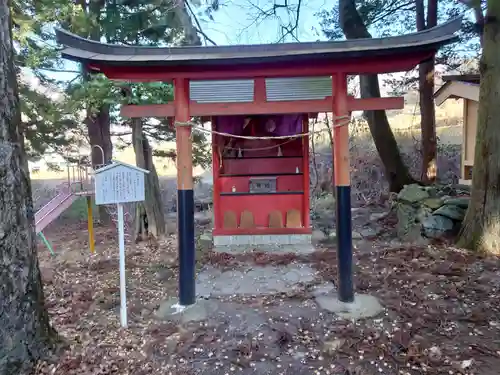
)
(342, 182)
(185, 197)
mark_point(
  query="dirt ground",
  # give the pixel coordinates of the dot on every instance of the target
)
(442, 313)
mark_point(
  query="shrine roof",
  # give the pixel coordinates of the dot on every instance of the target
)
(465, 86)
(470, 78)
(117, 163)
(94, 53)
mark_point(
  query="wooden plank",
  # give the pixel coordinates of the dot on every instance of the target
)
(259, 230)
(262, 108)
(461, 90)
(230, 221)
(341, 152)
(259, 94)
(293, 219)
(297, 106)
(275, 219)
(246, 220)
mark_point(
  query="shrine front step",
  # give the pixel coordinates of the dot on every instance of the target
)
(263, 239)
(302, 249)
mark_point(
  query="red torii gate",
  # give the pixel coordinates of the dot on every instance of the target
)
(260, 63)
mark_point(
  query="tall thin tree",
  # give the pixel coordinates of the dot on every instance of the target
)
(427, 18)
(398, 174)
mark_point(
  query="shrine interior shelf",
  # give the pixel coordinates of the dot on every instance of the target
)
(263, 157)
(260, 174)
(240, 193)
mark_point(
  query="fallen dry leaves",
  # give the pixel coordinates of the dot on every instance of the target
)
(442, 314)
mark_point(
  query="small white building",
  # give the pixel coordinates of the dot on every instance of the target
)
(464, 87)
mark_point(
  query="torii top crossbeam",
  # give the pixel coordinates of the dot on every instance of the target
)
(260, 80)
(375, 55)
(260, 63)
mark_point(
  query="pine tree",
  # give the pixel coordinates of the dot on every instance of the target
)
(89, 104)
(136, 23)
(46, 124)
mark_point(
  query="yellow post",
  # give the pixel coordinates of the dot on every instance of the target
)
(90, 219)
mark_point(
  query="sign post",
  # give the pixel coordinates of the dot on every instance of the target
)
(123, 287)
(119, 183)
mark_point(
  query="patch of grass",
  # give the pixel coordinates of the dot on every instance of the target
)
(78, 211)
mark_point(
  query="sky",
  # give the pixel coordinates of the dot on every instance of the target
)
(241, 21)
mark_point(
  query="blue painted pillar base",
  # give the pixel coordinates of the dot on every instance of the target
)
(344, 244)
(185, 216)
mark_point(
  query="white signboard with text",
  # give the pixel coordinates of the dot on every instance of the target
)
(119, 183)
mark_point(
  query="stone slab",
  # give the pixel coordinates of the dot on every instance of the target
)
(263, 239)
(212, 282)
(364, 306)
(323, 289)
(170, 310)
(275, 249)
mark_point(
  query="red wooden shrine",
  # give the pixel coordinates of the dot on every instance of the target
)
(261, 186)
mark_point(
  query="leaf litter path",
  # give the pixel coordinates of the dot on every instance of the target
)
(442, 314)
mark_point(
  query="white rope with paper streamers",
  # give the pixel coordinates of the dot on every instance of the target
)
(347, 121)
(260, 148)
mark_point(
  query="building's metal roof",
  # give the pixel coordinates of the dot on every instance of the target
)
(117, 163)
(462, 86)
(458, 86)
(471, 78)
(92, 52)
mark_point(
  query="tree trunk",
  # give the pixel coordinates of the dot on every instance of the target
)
(25, 332)
(150, 216)
(98, 127)
(478, 15)
(426, 102)
(98, 123)
(481, 227)
(397, 173)
(191, 37)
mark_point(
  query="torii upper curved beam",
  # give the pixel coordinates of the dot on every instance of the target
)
(375, 55)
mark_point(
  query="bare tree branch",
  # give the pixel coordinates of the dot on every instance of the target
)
(394, 7)
(198, 25)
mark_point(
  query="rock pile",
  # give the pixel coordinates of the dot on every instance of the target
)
(430, 211)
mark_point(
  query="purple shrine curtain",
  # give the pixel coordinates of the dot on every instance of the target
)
(285, 125)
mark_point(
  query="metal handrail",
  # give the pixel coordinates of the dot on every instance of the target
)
(49, 202)
(102, 154)
(53, 208)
